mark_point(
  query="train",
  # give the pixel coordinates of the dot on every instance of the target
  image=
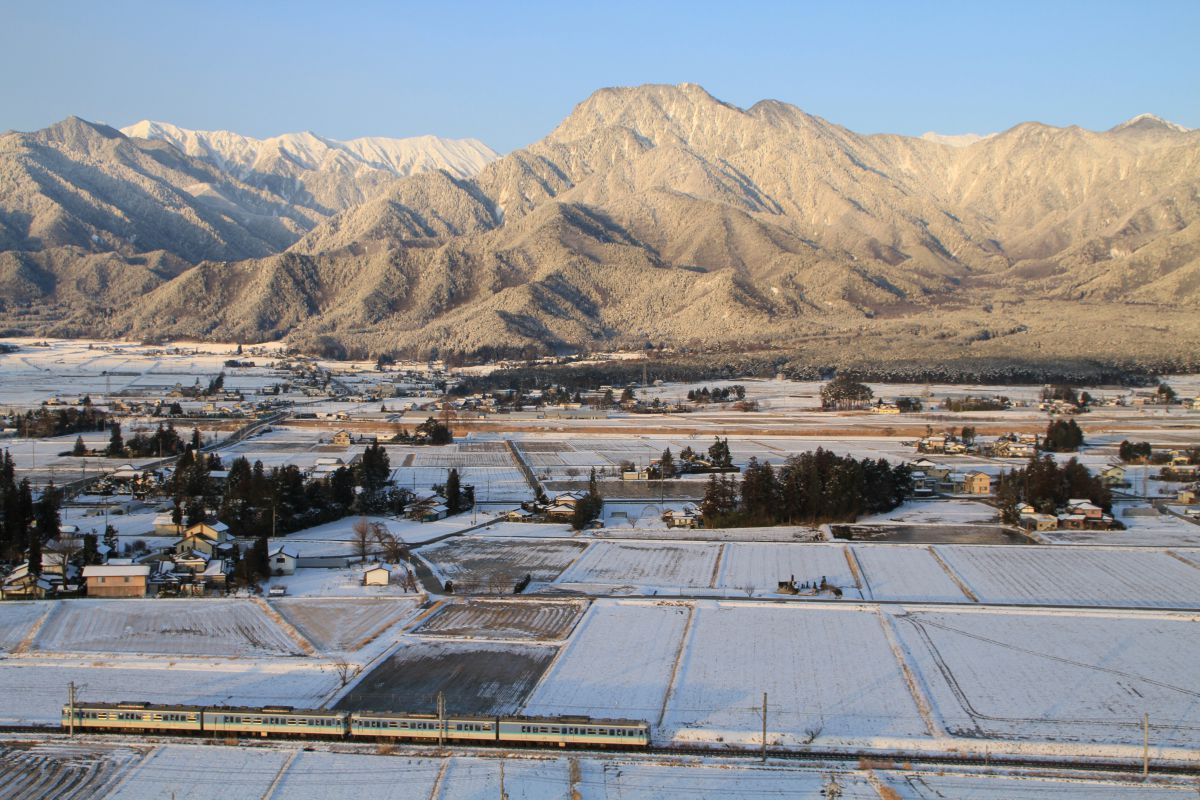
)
(289, 722)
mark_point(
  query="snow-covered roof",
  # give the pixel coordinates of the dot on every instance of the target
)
(279, 550)
(116, 571)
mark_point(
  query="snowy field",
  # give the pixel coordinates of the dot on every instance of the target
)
(17, 620)
(343, 624)
(1075, 576)
(500, 619)
(619, 662)
(340, 582)
(493, 565)
(756, 569)
(957, 512)
(198, 772)
(645, 566)
(229, 628)
(1059, 676)
(828, 672)
(34, 687)
(905, 572)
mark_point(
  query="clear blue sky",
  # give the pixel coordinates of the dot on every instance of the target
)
(508, 72)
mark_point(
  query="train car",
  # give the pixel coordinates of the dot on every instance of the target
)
(565, 731)
(424, 727)
(275, 721)
(134, 716)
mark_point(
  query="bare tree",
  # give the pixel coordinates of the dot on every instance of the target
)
(345, 671)
(364, 533)
(394, 550)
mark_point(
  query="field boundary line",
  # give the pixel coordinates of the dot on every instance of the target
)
(1182, 558)
(959, 582)
(679, 651)
(716, 570)
(924, 706)
(283, 768)
(561, 651)
(288, 628)
(435, 791)
(859, 574)
(26, 642)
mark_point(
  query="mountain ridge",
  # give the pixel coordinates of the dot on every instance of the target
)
(660, 213)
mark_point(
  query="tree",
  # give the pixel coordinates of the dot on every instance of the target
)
(110, 539)
(46, 514)
(666, 464)
(844, 392)
(967, 435)
(364, 533)
(116, 444)
(588, 507)
(1063, 436)
(454, 503)
(1166, 395)
(1130, 451)
(80, 449)
(719, 455)
(91, 551)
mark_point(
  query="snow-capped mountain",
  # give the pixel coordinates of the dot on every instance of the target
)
(325, 174)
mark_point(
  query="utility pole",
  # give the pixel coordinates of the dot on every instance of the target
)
(764, 734)
(503, 794)
(441, 711)
(71, 708)
(1145, 745)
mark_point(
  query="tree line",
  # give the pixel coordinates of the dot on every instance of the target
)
(809, 488)
(1047, 486)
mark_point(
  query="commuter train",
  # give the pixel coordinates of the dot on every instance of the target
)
(285, 721)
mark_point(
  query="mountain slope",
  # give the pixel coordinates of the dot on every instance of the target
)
(659, 213)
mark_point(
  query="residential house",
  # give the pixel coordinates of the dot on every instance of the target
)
(1038, 522)
(207, 539)
(21, 584)
(120, 580)
(1188, 496)
(977, 483)
(342, 438)
(1113, 475)
(685, 518)
(561, 512)
(428, 509)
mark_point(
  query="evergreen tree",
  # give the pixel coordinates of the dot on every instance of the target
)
(116, 444)
(46, 514)
(110, 539)
(80, 448)
(453, 493)
(666, 464)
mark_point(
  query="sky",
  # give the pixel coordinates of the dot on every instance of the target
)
(508, 72)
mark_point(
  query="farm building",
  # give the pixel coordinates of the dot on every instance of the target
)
(120, 580)
(282, 561)
(377, 575)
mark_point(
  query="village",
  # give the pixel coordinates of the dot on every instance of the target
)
(336, 549)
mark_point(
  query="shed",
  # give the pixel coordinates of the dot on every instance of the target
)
(282, 561)
(376, 575)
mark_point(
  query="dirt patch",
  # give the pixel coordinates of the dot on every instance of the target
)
(475, 677)
(34, 771)
(517, 619)
(345, 624)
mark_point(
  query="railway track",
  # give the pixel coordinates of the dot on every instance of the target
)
(878, 760)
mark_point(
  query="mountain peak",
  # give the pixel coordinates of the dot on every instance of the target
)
(1148, 122)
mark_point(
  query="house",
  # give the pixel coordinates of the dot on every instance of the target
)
(1113, 475)
(282, 561)
(885, 408)
(977, 483)
(429, 509)
(518, 515)
(1180, 459)
(208, 540)
(922, 485)
(377, 575)
(561, 512)
(1188, 496)
(20, 584)
(342, 438)
(1085, 507)
(120, 580)
(1039, 522)
(165, 526)
(685, 518)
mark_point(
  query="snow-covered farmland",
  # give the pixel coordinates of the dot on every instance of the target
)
(645, 566)
(330, 776)
(905, 572)
(500, 619)
(62, 770)
(186, 773)
(17, 620)
(34, 687)
(828, 670)
(958, 512)
(343, 624)
(755, 568)
(619, 662)
(1059, 676)
(1080, 576)
(169, 627)
(495, 565)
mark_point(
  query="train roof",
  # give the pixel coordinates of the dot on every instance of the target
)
(568, 720)
(415, 715)
(304, 712)
(132, 705)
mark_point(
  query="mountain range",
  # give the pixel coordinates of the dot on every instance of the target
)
(650, 214)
